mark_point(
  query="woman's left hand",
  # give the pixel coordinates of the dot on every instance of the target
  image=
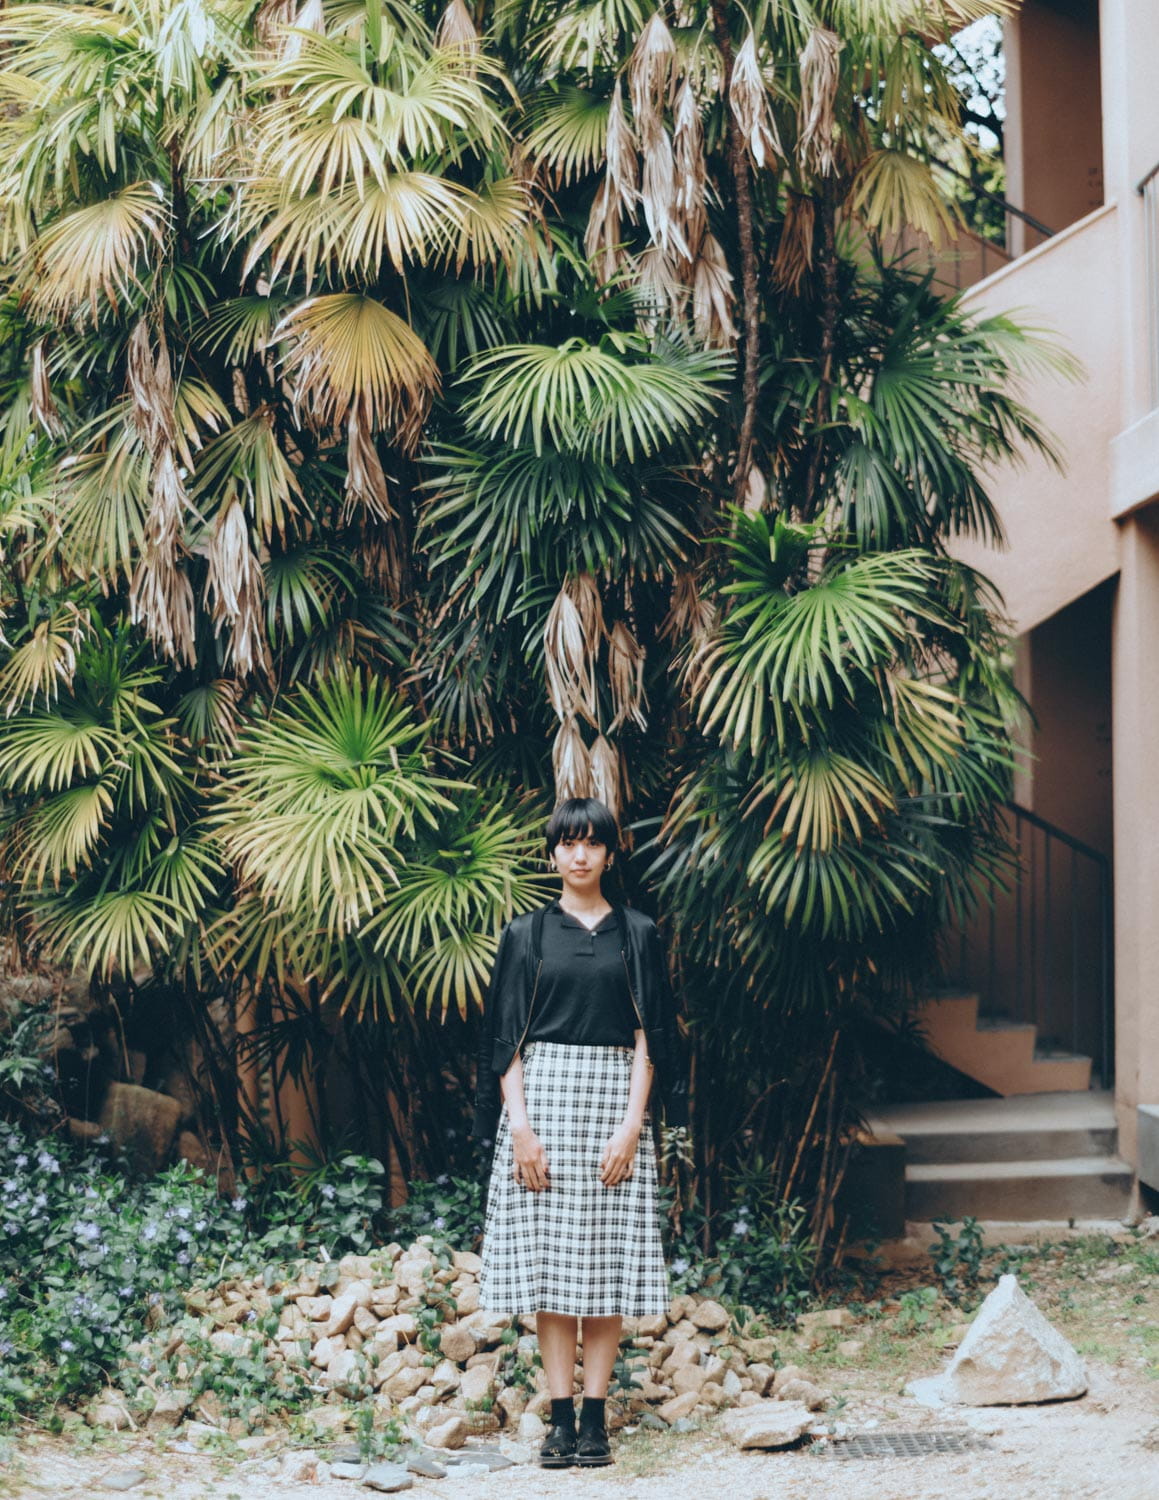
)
(618, 1160)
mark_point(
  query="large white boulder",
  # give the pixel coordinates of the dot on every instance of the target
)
(1011, 1357)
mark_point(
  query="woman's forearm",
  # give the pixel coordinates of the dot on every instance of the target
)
(511, 1085)
(640, 1084)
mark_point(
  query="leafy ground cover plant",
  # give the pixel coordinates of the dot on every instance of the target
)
(90, 1256)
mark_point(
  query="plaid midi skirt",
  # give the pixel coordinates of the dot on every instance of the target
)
(575, 1247)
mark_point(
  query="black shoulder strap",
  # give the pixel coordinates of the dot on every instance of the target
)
(537, 921)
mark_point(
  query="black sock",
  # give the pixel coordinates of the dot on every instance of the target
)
(562, 1411)
(592, 1414)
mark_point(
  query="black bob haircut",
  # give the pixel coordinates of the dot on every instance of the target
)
(572, 820)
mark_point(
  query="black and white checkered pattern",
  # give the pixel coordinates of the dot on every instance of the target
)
(576, 1247)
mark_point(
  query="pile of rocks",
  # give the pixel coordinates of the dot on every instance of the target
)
(401, 1330)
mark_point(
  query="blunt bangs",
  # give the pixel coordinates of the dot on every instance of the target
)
(572, 820)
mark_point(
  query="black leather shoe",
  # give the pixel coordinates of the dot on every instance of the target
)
(558, 1448)
(593, 1450)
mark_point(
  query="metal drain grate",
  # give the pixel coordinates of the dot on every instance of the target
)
(898, 1444)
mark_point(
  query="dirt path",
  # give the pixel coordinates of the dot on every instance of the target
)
(1106, 1445)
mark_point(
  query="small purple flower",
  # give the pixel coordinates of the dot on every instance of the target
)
(439, 1223)
(67, 1346)
(183, 1257)
(238, 1205)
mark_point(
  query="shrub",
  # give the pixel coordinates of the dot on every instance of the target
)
(86, 1254)
(764, 1257)
(450, 1208)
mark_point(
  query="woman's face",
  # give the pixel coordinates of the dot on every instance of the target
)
(581, 862)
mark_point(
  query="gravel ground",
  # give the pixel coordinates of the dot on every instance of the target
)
(1105, 1445)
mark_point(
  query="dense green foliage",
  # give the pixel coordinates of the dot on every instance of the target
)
(404, 425)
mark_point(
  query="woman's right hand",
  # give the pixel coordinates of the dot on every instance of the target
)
(530, 1168)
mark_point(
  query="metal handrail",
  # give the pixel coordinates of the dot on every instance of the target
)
(1018, 949)
(1145, 181)
(1058, 833)
(1003, 203)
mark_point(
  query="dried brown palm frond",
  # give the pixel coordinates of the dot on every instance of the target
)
(161, 599)
(565, 657)
(749, 101)
(690, 616)
(626, 677)
(310, 16)
(380, 559)
(570, 643)
(622, 174)
(44, 408)
(604, 763)
(365, 476)
(663, 295)
(603, 242)
(456, 28)
(650, 76)
(689, 165)
(271, 22)
(820, 76)
(795, 247)
(585, 592)
(149, 378)
(569, 761)
(658, 195)
(712, 295)
(235, 588)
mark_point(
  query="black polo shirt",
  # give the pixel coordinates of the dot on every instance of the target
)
(583, 995)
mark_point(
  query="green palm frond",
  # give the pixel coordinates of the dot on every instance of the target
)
(895, 189)
(110, 932)
(414, 102)
(779, 652)
(579, 393)
(62, 833)
(568, 134)
(317, 796)
(55, 750)
(240, 327)
(247, 464)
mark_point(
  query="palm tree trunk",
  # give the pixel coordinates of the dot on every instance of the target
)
(830, 307)
(749, 286)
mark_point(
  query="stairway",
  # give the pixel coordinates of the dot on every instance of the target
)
(1003, 1055)
(1043, 1156)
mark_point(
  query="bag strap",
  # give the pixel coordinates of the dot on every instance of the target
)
(537, 922)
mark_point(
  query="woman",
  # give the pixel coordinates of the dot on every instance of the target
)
(578, 1018)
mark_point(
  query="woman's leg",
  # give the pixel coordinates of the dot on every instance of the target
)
(601, 1345)
(556, 1333)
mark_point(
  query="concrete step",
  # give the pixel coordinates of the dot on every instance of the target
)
(1080, 1187)
(1032, 1127)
